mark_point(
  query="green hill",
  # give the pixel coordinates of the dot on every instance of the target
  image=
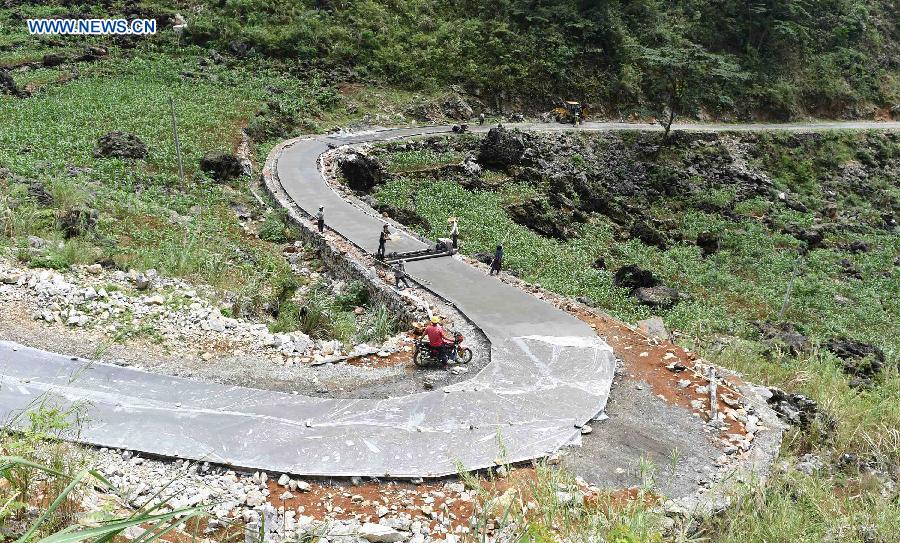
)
(834, 58)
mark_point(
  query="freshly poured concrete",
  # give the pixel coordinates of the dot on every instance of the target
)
(548, 374)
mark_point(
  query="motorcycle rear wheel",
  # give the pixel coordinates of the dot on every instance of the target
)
(464, 355)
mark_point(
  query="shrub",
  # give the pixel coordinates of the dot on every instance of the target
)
(274, 229)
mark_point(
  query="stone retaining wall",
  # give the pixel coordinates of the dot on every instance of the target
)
(340, 261)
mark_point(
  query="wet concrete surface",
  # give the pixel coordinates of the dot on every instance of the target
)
(644, 438)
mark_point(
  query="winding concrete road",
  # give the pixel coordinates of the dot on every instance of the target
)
(548, 373)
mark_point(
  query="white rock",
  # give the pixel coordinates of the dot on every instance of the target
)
(255, 498)
(284, 480)
(378, 533)
(215, 325)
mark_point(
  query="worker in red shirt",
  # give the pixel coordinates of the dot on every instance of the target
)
(439, 339)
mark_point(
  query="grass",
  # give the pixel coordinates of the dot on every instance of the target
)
(43, 478)
(794, 506)
(407, 161)
(147, 219)
(323, 314)
(546, 506)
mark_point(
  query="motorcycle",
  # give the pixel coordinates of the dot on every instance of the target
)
(426, 355)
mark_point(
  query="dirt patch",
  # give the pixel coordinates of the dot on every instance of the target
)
(441, 506)
(403, 358)
(672, 373)
(368, 502)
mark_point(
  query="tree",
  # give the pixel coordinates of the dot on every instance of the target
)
(680, 76)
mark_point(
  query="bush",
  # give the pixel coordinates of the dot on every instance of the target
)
(274, 228)
(354, 295)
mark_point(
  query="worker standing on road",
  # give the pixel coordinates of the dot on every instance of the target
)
(481, 119)
(382, 241)
(497, 262)
(320, 219)
(454, 231)
(400, 274)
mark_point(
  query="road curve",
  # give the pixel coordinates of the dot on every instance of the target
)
(548, 373)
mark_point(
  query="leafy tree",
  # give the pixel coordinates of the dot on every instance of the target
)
(681, 76)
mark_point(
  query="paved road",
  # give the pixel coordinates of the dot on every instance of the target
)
(818, 126)
(548, 372)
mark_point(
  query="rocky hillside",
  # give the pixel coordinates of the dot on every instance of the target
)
(722, 234)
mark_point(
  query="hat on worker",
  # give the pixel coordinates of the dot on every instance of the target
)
(435, 319)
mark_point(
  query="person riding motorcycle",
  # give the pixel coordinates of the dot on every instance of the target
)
(439, 339)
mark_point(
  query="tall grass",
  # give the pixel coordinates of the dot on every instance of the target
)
(548, 506)
(43, 477)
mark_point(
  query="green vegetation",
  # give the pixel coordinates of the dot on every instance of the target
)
(325, 314)
(745, 280)
(831, 58)
(790, 58)
(403, 162)
(145, 217)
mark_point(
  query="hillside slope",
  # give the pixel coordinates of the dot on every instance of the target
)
(835, 58)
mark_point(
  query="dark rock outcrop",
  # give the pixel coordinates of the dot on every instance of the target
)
(221, 166)
(454, 107)
(849, 270)
(632, 277)
(796, 409)
(451, 106)
(39, 192)
(813, 237)
(51, 60)
(8, 85)
(93, 53)
(857, 247)
(484, 258)
(860, 359)
(783, 335)
(502, 148)
(708, 242)
(118, 144)
(238, 48)
(78, 221)
(647, 234)
(537, 214)
(361, 172)
(646, 288)
(658, 297)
